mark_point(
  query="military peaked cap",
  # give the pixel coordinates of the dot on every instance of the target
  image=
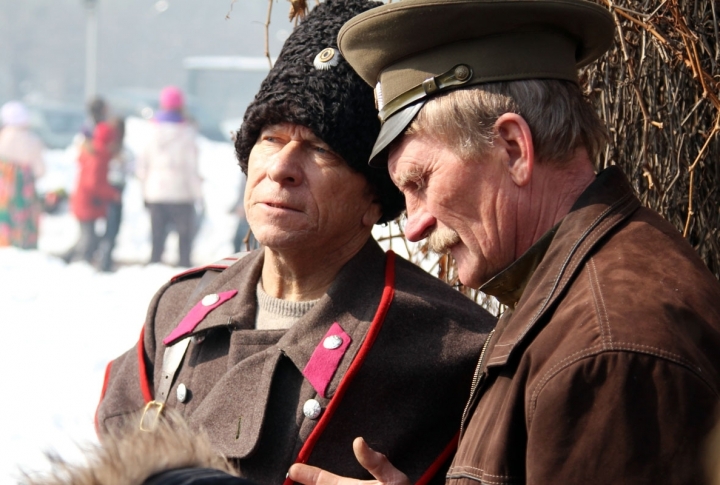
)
(412, 50)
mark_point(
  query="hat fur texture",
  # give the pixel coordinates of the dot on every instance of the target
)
(131, 457)
(334, 102)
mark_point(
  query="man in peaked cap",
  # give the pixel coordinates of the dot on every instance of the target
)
(319, 336)
(604, 367)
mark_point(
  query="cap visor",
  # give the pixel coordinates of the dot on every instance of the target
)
(391, 129)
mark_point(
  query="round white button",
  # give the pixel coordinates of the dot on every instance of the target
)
(332, 342)
(181, 393)
(312, 409)
(210, 299)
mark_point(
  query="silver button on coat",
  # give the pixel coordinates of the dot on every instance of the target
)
(312, 409)
(332, 342)
(210, 299)
(181, 393)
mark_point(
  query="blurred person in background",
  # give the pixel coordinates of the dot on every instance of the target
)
(119, 167)
(98, 112)
(21, 163)
(93, 193)
(241, 240)
(168, 171)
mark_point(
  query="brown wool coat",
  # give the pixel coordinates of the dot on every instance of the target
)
(607, 371)
(247, 391)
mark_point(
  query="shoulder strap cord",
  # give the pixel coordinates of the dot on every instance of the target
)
(377, 322)
(172, 358)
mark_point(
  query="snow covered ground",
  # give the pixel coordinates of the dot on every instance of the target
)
(62, 323)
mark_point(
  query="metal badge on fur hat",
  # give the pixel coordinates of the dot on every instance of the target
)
(326, 59)
(312, 85)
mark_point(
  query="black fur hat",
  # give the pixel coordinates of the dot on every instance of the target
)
(312, 85)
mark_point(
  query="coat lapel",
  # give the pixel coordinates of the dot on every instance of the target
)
(351, 303)
(236, 305)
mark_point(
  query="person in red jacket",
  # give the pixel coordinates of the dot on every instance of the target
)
(93, 192)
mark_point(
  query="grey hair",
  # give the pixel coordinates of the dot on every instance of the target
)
(558, 114)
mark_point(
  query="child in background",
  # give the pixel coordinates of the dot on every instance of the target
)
(119, 167)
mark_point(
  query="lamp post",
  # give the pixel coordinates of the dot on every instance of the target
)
(91, 41)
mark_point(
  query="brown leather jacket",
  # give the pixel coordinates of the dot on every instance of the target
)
(607, 368)
(247, 388)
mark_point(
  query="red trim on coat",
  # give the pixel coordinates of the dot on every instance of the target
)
(102, 396)
(142, 371)
(200, 269)
(440, 460)
(377, 322)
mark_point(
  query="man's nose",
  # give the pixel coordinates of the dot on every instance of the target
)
(285, 167)
(419, 224)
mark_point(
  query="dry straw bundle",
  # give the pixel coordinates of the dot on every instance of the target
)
(658, 91)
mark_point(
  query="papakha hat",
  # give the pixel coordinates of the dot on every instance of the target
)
(413, 50)
(312, 85)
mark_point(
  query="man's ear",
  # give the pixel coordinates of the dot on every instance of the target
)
(514, 137)
(372, 214)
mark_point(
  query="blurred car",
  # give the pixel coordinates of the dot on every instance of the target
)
(226, 85)
(56, 123)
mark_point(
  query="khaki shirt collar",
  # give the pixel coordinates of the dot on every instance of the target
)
(508, 285)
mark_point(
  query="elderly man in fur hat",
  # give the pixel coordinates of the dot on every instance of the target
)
(291, 351)
(605, 367)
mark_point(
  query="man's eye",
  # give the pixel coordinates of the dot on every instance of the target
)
(416, 184)
(320, 149)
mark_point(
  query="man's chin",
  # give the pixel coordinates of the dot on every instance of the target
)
(468, 271)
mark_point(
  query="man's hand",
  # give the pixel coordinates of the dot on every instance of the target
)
(376, 463)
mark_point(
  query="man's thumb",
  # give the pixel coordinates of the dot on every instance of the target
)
(377, 464)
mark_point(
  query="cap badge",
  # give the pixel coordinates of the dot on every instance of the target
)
(456, 76)
(326, 59)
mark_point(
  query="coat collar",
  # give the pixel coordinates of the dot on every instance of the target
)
(509, 285)
(351, 302)
(607, 202)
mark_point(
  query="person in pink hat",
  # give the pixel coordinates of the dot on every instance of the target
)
(168, 171)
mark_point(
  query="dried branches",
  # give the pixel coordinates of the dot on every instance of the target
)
(658, 91)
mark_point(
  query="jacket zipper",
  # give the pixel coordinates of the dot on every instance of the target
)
(475, 381)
